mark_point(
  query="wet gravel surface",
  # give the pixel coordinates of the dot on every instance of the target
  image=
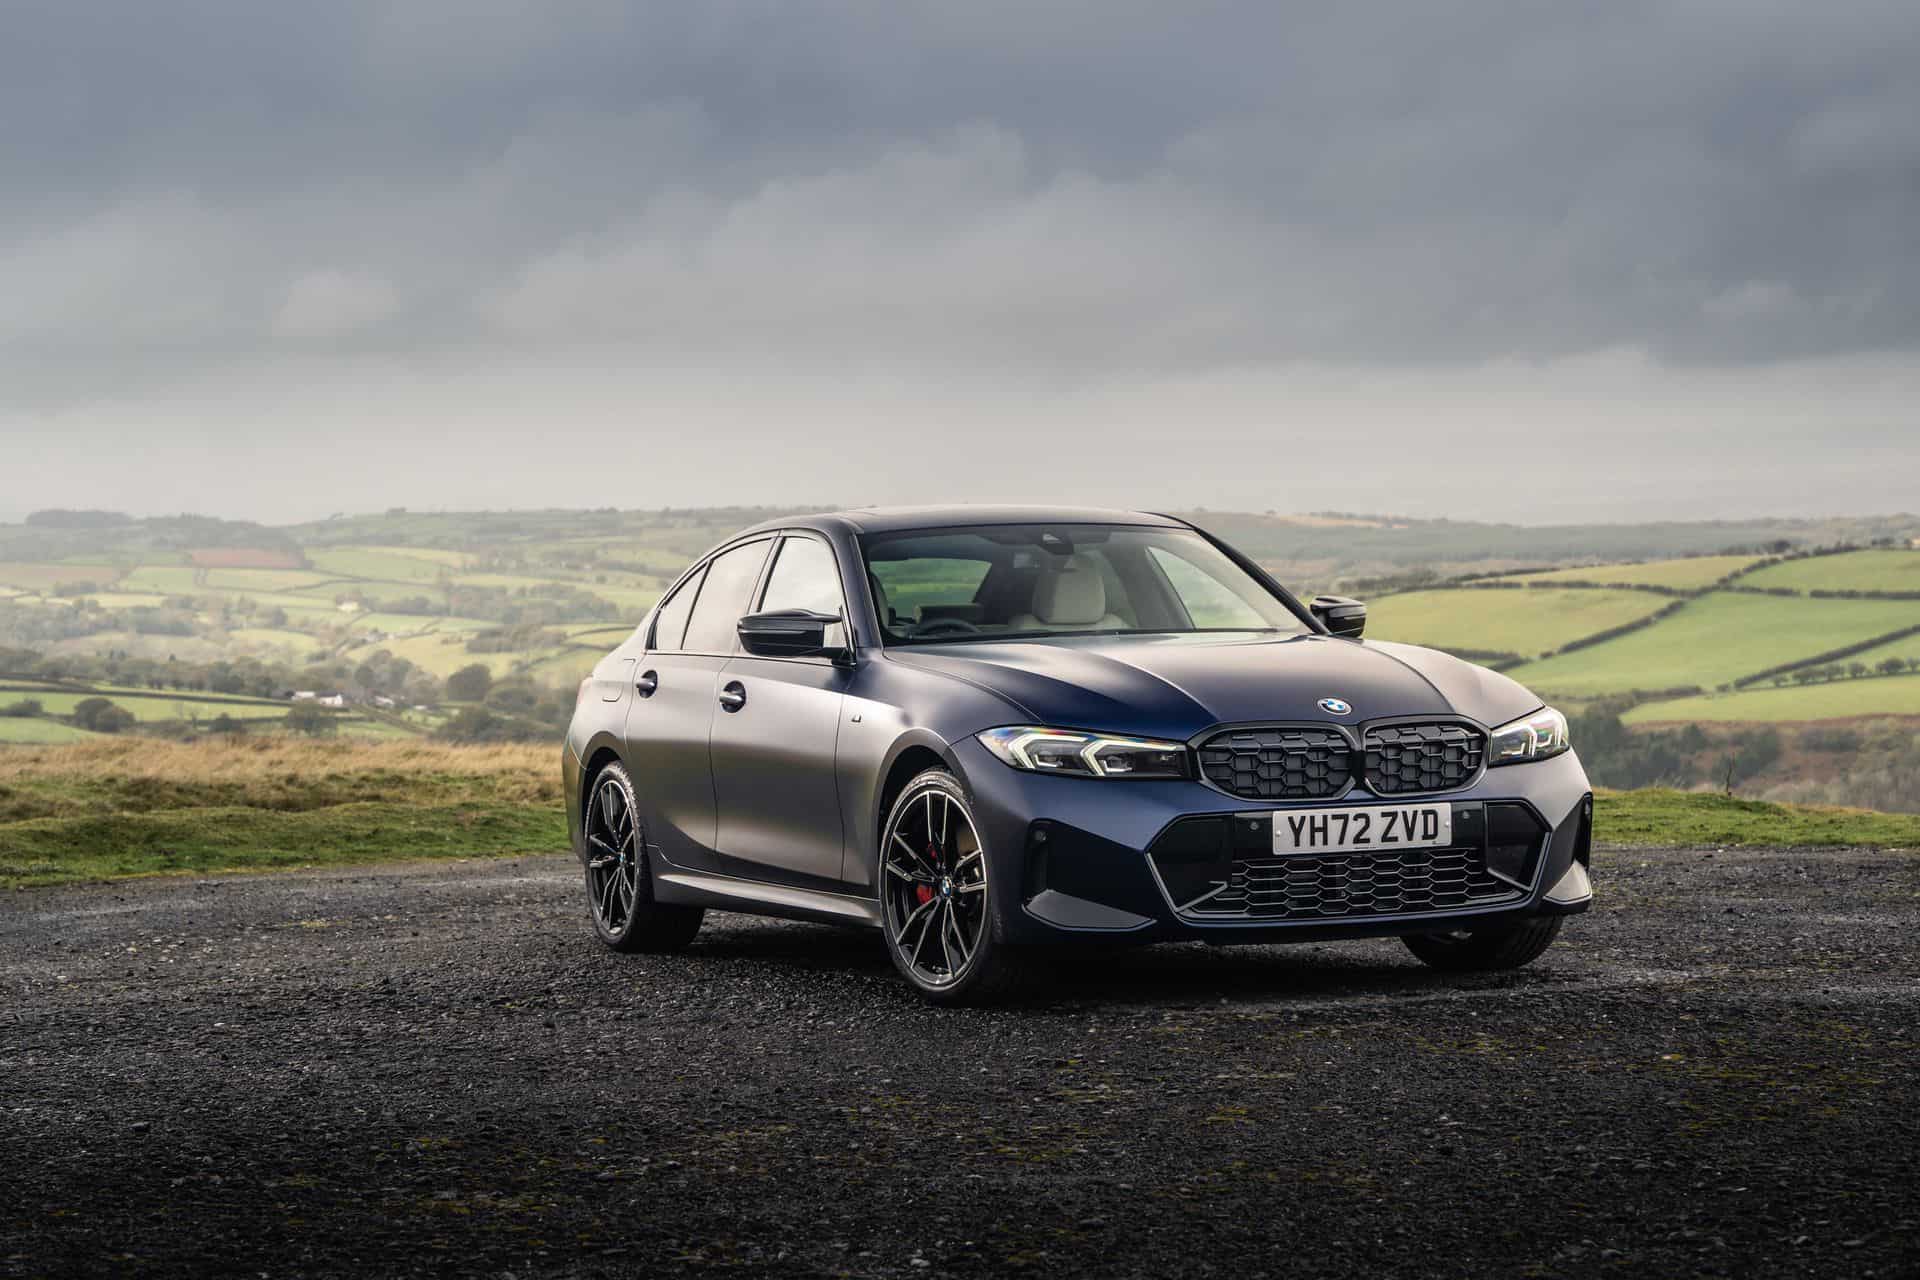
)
(434, 1067)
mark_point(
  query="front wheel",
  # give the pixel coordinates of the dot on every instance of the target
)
(619, 884)
(941, 927)
(1502, 947)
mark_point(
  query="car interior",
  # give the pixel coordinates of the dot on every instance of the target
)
(999, 582)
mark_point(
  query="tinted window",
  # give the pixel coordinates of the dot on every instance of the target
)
(670, 623)
(804, 577)
(731, 576)
(990, 582)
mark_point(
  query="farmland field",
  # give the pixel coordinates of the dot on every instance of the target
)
(1837, 700)
(1688, 574)
(17, 730)
(251, 580)
(37, 577)
(1715, 639)
(1851, 571)
(1504, 621)
(171, 580)
(368, 562)
(163, 705)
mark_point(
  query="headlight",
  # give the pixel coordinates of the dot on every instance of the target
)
(1538, 736)
(1086, 755)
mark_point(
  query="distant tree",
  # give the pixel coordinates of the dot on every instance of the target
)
(311, 719)
(88, 710)
(469, 684)
(112, 719)
(224, 723)
(1892, 666)
(472, 724)
(24, 709)
(1857, 669)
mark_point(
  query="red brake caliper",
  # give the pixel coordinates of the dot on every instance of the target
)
(923, 894)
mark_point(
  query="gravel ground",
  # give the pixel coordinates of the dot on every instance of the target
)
(434, 1067)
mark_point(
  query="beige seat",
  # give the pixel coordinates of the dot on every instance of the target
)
(1069, 596)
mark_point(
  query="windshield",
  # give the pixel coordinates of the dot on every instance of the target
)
(998, 582)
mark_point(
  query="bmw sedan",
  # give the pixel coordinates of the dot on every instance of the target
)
(986, 731)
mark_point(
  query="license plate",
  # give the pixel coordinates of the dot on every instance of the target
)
(1403, 826)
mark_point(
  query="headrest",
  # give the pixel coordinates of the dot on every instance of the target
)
(1070, 593)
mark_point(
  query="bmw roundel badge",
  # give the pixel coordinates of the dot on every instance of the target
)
(1336, 706)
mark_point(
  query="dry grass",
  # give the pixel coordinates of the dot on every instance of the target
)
(145, 775)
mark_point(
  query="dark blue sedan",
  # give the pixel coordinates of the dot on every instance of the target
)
(986, 731)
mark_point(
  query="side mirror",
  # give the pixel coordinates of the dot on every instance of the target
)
(795, 633)
(1340, 615)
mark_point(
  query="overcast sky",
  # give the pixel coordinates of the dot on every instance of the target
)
(1493, 260)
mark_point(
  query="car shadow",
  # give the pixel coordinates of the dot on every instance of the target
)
(1170, 975)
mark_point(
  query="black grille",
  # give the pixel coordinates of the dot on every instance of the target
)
(1344, 885)
(1408, 759)
(1283, 763)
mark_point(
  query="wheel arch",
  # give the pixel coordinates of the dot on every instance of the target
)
(912, 755)
(599, 752)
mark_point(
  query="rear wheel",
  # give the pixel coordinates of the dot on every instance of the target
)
(619, 882)
(940, 924)
(1502, 947)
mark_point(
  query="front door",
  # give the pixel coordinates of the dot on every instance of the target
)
(774, 736)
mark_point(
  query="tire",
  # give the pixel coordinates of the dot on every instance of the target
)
(619, 877)
(932, 877)
(1504, 947)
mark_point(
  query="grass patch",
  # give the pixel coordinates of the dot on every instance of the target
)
(37, 730)
(1714, 640)
(1838, 700)
(1689, 574)
(1849, 571)
(367, 562)
(1504, 621)
(61, 850)
(117, 808)
(1661, 817)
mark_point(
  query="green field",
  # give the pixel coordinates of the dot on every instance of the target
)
(1504, 621)
(1716, 639)
(370, 562)
(16, 730)
(1837, 700)
(253, 580)
(1689, 574)
(39, 577)
(1850, 571)
(160, 706)
(172, 580)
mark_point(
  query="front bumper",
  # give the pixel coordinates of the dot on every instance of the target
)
(1117, 860)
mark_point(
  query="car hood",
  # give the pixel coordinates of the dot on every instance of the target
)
(1176, 686)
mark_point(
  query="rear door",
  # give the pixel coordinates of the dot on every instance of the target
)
(670, 719)
(773, 757)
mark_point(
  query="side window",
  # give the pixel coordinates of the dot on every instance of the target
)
(670, 623)
(723, 598)
(804, 577)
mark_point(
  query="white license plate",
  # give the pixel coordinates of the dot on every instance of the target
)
(1401, 826)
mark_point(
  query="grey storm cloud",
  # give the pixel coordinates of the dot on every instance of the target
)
(1055, 194)
(1079, 183)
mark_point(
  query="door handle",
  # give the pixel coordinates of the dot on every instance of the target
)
(647, 683)
(733, 696)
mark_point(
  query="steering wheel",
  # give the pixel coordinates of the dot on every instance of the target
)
(942, 626)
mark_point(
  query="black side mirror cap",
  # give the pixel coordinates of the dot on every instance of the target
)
(1340, 615)
(795, 633)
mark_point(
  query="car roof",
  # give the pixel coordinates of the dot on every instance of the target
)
(896, 519)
